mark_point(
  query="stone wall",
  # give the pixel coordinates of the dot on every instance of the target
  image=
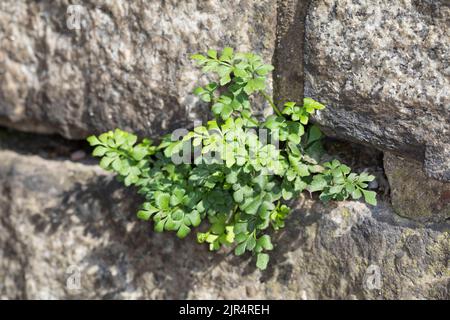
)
(381, 67)
(125, 64)
(60, 218)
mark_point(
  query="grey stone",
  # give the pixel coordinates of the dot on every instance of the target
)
(68, 230)
(382, 68)
(414, 195)
(122, 64)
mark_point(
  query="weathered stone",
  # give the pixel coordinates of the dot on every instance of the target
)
(122, 64)
(60, 220)
(413, 194)
(383, 69)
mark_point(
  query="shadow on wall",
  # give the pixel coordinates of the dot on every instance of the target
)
(107, 214)
(127, 254)
(56, 214)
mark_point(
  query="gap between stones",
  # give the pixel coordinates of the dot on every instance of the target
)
(55, 147)
(49, 147)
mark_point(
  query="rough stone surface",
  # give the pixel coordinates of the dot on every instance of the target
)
(59, 220)
(413, 194)
(383, 69)
(126, 66)
(381, 66)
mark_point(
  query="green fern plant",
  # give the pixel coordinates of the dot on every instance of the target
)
(223, 175)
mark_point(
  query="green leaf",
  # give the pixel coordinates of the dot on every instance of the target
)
(199, 91)
(265, 209)
(318, 184)
(162, 200)
(252, 205)
(199, 58)
(302, 170)
(336, 189)
(365, 177)
(287, 194)
(177, 215)
(265, 242)
(100, 151)
(105, 162)
(130, 139)
(177, 197)
(183, 231)
(311, 105)
(264, 69)
(314, 134)
(356, 194)
(117, 165)
(225, 79)
(251, 243)
(195, 218)
(227, 54)
(139, 152)
(201, 237)
(212, 54)
(211, 238)
(242, 73)
(144, 215)
(294, 138)
(299, 184)
(173, 148)
(294, 149)
(226, 112)
(274, 122)
(238, 195)
(255, 85)
(232, 177)
(212, 86)
(240, 249)
(93, 141)
(262, 261)
(370, 197)
(205, 97)
(159, 226)
(172, 225)
(131, 179)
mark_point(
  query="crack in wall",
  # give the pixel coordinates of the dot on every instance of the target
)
(288, 57)
(51, 147)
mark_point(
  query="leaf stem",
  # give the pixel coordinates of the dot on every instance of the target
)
(270, 101)
(231, 214)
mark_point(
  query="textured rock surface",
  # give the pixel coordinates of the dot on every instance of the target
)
(381, 66)
(383, 69)
(413, 194)
(127, 65)
(59, 220)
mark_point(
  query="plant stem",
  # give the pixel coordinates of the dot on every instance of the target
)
(270, 101)
(231, 214)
